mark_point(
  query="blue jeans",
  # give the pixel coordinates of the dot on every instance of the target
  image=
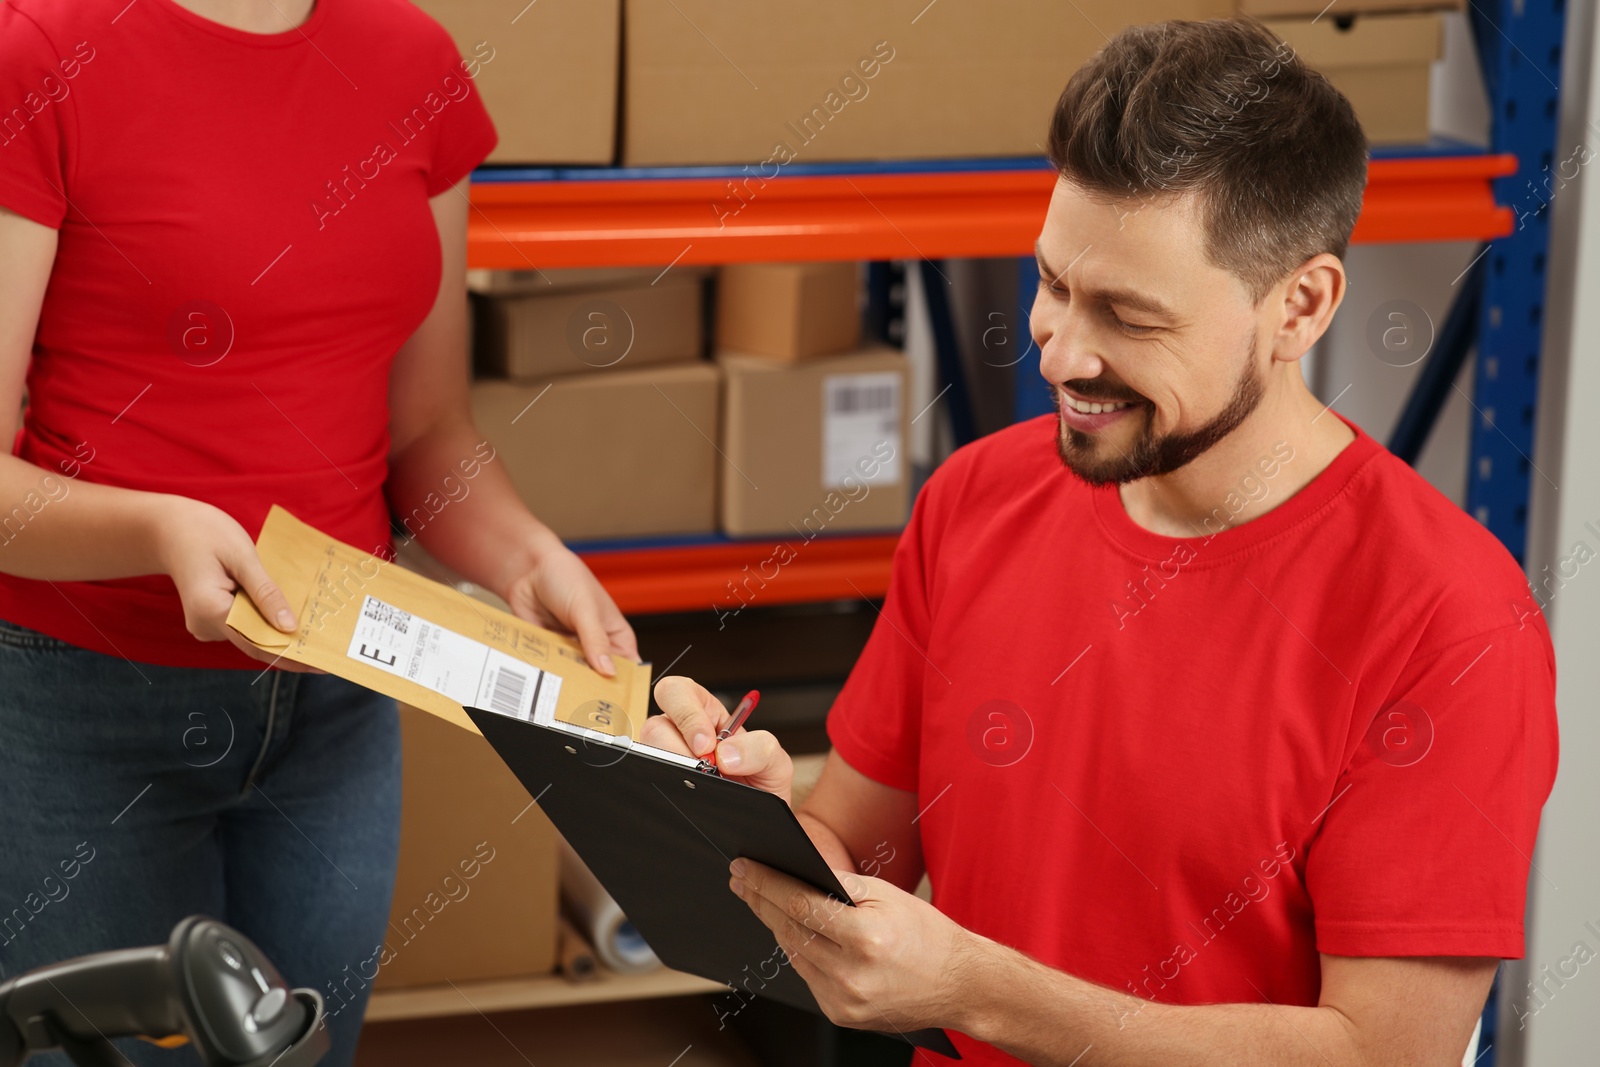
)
(133, 795)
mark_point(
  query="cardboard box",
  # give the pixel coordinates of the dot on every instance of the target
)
(475, 897)
(816, 447)
(768, 83)
(547, 72)
(619, 453)
(578, 330)
(1313, 8)
(1382, 63)
(789, 311)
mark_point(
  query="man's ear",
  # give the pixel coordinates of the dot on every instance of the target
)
(1312, 293)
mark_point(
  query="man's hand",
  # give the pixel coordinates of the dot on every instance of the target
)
(561, 593)
(892, 962)
(689, 723)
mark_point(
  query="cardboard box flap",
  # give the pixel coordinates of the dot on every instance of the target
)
(543, 282)
(1318, 8)
(428, 644)
(1371, 40)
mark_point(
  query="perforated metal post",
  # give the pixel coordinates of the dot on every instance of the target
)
(1519, 46)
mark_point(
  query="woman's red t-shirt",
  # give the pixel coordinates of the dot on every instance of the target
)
(245, 242)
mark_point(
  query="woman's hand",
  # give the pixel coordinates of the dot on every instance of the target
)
(561, 593)
(209, 557)
(689, 722)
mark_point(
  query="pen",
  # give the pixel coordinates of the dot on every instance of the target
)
(740, 714)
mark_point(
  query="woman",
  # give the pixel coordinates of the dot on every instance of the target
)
(232, 253)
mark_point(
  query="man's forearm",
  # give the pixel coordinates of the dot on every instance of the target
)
(450, 490)
(1044, 1016)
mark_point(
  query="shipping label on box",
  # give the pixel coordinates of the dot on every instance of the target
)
(423, 643)
(860, 417)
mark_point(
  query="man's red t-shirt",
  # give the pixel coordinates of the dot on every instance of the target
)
(245, 242)
(1183, 767)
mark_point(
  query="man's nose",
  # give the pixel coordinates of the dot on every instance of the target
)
(1066, 348)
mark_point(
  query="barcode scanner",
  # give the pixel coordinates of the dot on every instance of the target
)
(208, 985)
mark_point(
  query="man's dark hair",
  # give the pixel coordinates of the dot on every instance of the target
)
(1225, 110)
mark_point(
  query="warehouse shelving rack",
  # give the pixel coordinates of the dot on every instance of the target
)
(526, 219)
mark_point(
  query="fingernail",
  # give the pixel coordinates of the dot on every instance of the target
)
(728, 756)
(737, 867)
(606, 666)
(700, 743)
(285, 619)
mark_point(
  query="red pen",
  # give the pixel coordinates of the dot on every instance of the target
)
(740, 714)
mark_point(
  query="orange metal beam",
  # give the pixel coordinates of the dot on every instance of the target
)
(721, 577)
(995, 213)
(1447, 199)
(625, 222)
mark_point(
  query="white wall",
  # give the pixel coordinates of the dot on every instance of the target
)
(1374, 391)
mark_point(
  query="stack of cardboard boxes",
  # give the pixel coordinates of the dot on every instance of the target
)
(814, 426)
(593, 390)
(1379, 53)
(767, 84)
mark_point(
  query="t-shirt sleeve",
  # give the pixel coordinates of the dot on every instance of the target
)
(35, 93)
(876, 721)
(1427, 845)
(466, 133)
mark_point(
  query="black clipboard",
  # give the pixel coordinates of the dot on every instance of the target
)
(659, 835)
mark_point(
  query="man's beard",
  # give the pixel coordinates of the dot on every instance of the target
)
(1149, 454)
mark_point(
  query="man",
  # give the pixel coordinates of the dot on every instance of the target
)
(1220, 734)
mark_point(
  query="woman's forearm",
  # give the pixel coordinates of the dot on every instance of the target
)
(450, 490)
(62, 528)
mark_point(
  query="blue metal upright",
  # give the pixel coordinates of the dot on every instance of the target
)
(1519, 46)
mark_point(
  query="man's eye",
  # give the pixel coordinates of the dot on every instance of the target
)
(1132, 328)
(1045, 283)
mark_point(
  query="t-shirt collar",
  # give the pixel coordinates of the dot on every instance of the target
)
(1145, 544)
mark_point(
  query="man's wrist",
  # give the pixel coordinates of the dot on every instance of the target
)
(997, 985)
(982, 972)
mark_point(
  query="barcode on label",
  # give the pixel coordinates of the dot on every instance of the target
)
(506, 696)
(386, 614)
(849, 399)
(861, 432)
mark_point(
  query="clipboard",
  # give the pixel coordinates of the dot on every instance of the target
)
(659, 832)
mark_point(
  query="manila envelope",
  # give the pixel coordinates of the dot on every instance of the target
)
(428, 644)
